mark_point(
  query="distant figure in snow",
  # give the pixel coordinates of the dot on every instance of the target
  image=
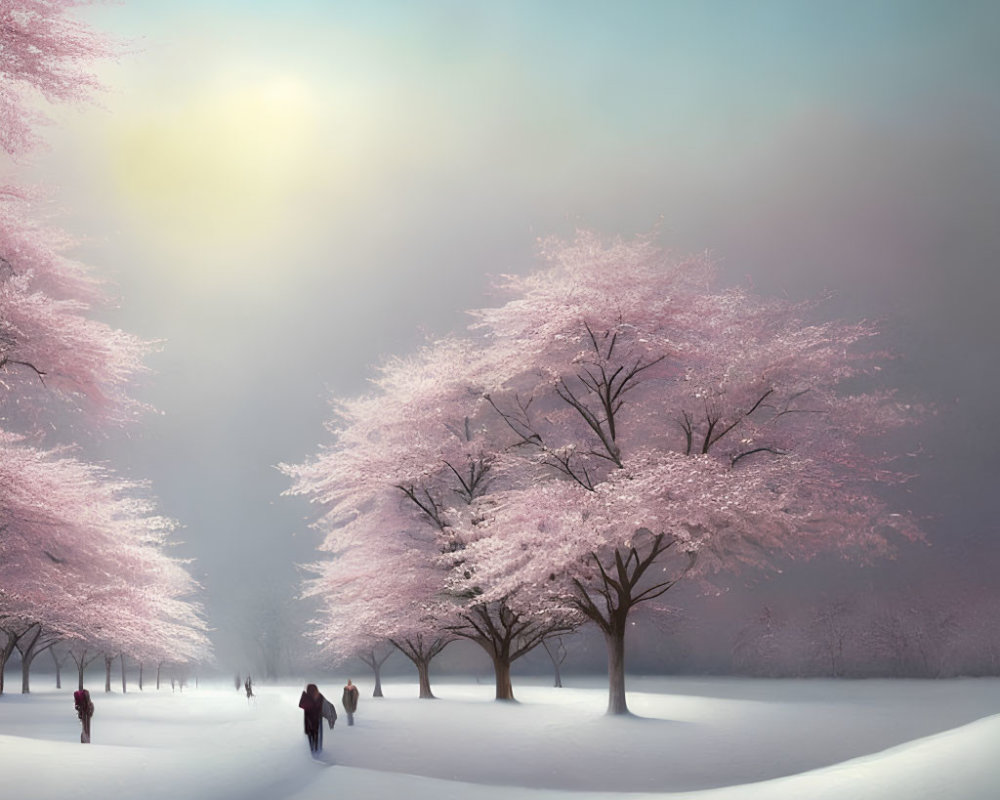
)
(248, 686)
(316, 708)
(238, 682)
(350, 701)
(84, 710)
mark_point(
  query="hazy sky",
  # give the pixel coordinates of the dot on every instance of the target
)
(285, 193)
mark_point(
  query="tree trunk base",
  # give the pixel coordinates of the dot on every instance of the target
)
(615, 641)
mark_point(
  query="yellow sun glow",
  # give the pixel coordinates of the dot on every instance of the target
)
(221, 168)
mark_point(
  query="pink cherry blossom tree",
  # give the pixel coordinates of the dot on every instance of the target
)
(380, 590)
(381, 584)
(142, 610)
(54, 358)
(666, 427)
(621, 423)
(56, 523)
(82, 558)
(398, 487)
(50, 348)
(149, 617)
(81, 552)
(45, 54)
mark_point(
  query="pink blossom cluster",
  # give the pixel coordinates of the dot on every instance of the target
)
(82, 552)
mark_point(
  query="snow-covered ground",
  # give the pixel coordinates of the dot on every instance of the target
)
(690, 738)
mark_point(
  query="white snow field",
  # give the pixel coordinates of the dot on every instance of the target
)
(690, 739)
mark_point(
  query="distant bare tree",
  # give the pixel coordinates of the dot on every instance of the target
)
(557, 653)
(375, 657)
(830, 629)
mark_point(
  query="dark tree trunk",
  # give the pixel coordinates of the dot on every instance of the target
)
(81, 665)
(374, 660)
(13, 640)
(58, 663)
(501, 668)
(26, 647)
(8, 648)
(619, 589)
(424, 678)
(30, 642)
(159, 666)
(498, 649)
(140, 676)
(505, 635)
(615, 640)
(26, 660)
(122, 656)
(107, 673)
(421, 652)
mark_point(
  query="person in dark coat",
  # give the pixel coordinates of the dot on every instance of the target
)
(315, 709)
(349, 699)
(84, 710)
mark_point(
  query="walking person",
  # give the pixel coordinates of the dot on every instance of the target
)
(349, 699)
(316, 708)
(84, 710)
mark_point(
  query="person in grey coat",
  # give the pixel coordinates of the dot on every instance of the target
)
(349, 699)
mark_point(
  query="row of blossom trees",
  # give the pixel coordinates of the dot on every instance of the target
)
(619, 423)
(82, 551)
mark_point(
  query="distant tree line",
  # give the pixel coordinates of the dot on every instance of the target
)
(893, 633)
